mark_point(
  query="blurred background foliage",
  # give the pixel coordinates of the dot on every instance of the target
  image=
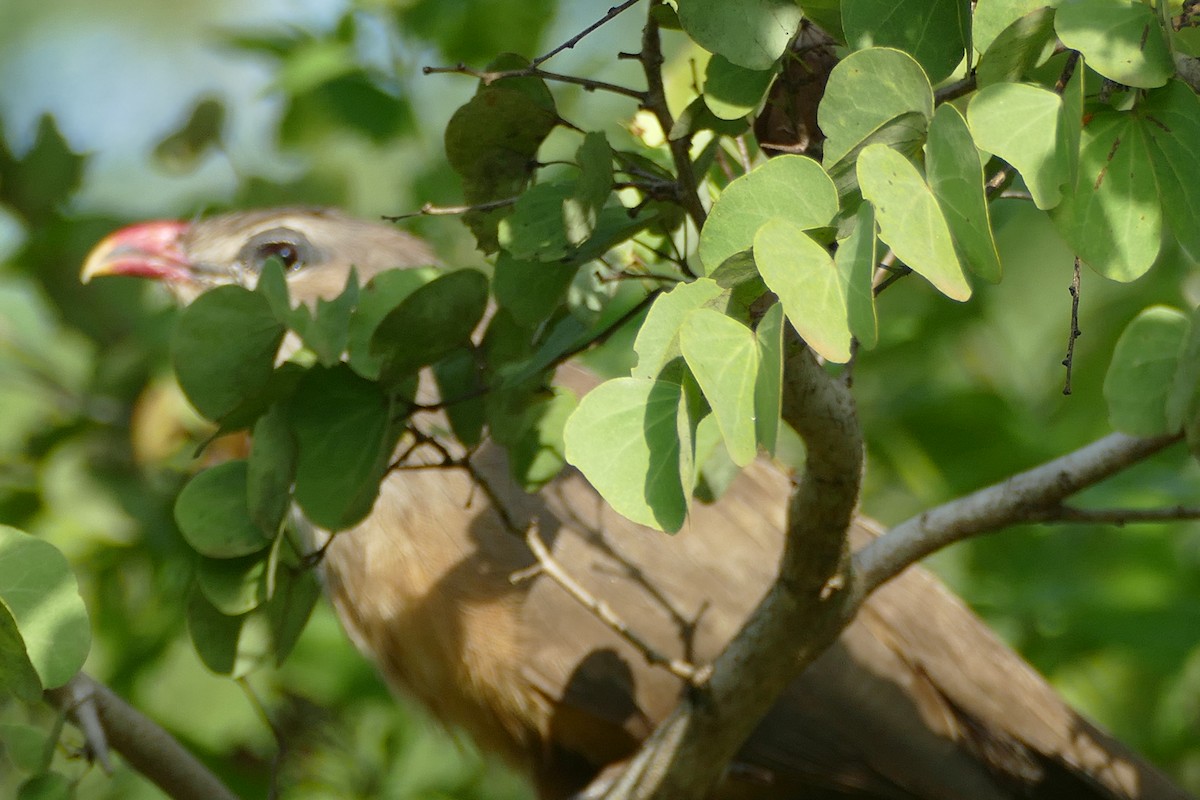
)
(114, 113)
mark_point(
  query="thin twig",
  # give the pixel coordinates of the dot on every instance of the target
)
(604, 612)
(997, 506)
(430, 210)
(491, 76)
(1075, 333)
(577, 38)
(655, 102)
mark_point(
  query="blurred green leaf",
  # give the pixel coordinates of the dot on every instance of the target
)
(39, 590)
(233, 585)
(202, 132)
(1143, 366)
(47, 786)
(37, 183)
(17, 675)
(768, 384)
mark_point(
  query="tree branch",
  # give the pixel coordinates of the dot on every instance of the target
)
(145, 745)
(655, 101)
(997, 506)
(687, 754)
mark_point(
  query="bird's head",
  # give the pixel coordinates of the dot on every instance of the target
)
(317, 247)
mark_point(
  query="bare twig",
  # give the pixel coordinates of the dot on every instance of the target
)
(491, 76)
(430, 210)
(604, 612)
(962, 86)
(998, 506)
(144, 744)
(655, 102)
(577, 38)
(1075, 333)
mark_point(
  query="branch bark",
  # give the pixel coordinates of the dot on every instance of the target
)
(999, 505)
(801, 615)
(145, 745)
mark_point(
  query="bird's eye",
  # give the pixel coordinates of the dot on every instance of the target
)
(286, 252)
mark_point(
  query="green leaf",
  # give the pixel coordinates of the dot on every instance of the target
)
(935, 32)
(910, 220)
(866, 90)
(228, 645)
(39, 591)
(47, 786)
(461, 388)
(751, 33)
(213, 514)
(732, 92)
(382, 294)
(1123, 41)
(342, 426)
(539, 453)
(224, 348)
(1020, 47)
(768, 385)
(530, 290)
(581, 211)
(183, 149)
(789, 187)
(1113, 218)
(536, 229)
(956, 178)
(624, 438)
(723, 356)
(657, 340)
(1183, 399)
(1143, 366)
(25, 745)
(270, 470)
(492, 142)
(802, 274)
(296, 593)
(1172, 129)
(1020, 124)
(993, 16)
(327, 331)
(431, 322)
(233, 585)
(856, 260)
(17, 675)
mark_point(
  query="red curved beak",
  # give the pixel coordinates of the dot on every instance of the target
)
(147, 250)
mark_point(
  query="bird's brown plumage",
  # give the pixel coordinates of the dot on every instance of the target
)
(917, 699)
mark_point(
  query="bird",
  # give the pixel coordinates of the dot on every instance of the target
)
(916, 700)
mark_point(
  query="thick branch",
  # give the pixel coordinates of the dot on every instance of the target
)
(997, 506)
(800, 616)
(147, 747)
